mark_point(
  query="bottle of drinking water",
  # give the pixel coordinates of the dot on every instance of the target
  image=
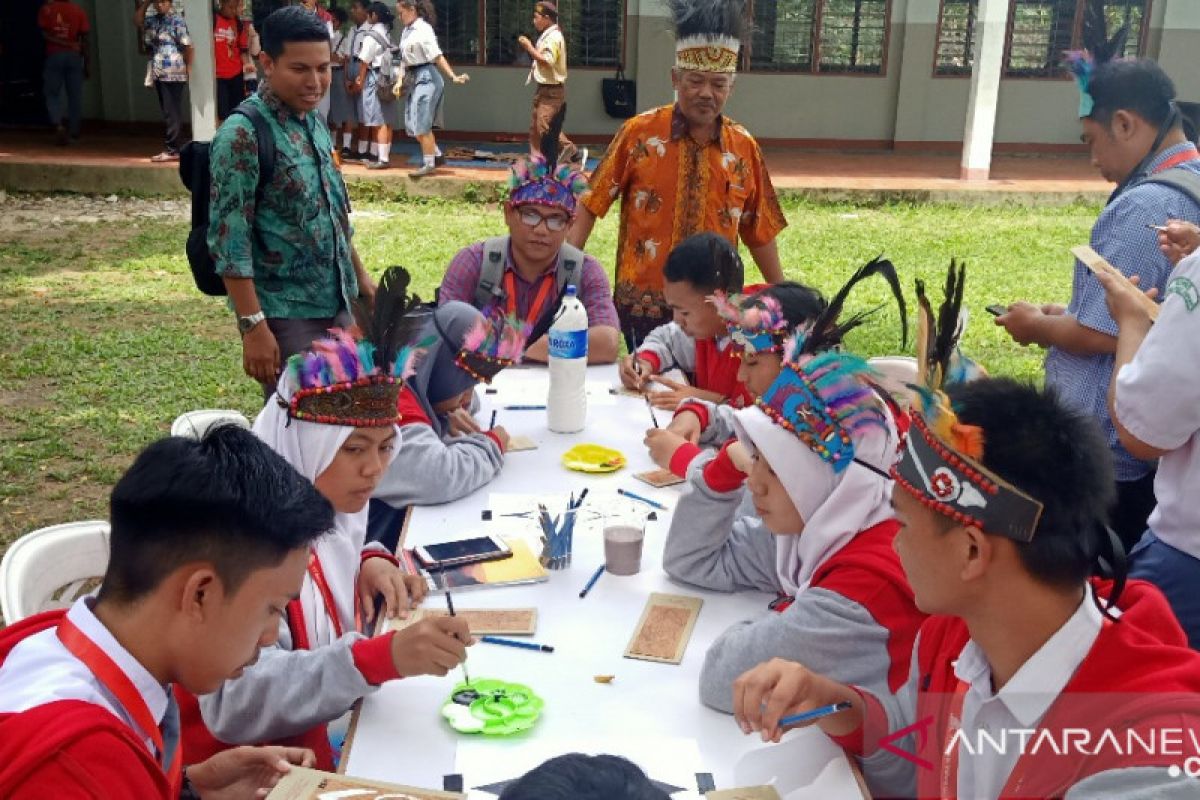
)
(566, 407)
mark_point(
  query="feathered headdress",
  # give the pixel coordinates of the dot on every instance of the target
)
(708, 34)
(354, 377)
(541, 180)
(825, 399)
(828, 330)
(756, 325)
(495, 342)
(941, 465)
(1097, 49)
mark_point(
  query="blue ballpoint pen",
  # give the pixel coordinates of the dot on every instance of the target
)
(645, 500)
(816, 713)
(592, 582)
(545, 648)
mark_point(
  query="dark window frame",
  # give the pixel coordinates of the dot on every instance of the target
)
(1050, 72)
(815, 67)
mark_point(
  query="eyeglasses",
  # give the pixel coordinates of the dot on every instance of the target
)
(533, 219)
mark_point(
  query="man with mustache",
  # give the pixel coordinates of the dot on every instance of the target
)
(684, 169)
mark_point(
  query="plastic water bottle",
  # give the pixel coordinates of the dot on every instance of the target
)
(566, 407)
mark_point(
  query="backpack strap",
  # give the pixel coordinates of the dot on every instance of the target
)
(491, 273)
(1183, 180)
(570, 267)
(265, 139)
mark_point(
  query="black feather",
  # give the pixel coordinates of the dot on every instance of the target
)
(945, 329)
(709, 18)
(549, 143)
(827, 331)
(1095, 35)
(390, 325)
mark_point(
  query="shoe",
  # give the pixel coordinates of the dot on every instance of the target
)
(360, 157)
(348, 155)
(164, 156)
(422, 172)
(60, 135)
(439, 161)
(379, 165)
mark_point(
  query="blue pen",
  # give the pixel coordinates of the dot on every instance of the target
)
(809, 716)
(545, 648)
(524, 408)
(645, 500)
(592, 582)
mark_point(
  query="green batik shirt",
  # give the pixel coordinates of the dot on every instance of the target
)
(294, 238)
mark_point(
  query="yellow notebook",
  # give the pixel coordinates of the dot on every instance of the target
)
(522, 567)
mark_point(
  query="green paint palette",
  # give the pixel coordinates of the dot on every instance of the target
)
(492, 707)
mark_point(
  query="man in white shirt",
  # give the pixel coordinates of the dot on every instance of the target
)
(1154, 400)
(549, 71)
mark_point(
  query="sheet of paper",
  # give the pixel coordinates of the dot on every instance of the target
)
(516, 514)
(498, 621)
(486, 762)
(517, 444)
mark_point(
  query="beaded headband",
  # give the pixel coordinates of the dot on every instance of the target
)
(541, 180)
(758, 328)
(495, 342)
(707, 54)
(946, 479)
(824, 399)
(338, 383)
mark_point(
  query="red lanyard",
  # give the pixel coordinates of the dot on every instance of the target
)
(296, 612)
(949, 784)
(119, 685)
(539, 300)
(1177, 159)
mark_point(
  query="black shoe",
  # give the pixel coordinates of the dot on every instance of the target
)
(439, 161)
(348, 155)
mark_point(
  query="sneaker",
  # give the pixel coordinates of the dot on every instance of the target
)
(348, 155)
(439, 161)
(378, 164)
(422, 172)
(164, 156)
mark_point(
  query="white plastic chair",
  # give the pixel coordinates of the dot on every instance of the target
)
(195, 424)
(897, 371)
(52, 567)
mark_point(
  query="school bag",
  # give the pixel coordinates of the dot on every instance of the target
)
(194, 171)
(385, 81)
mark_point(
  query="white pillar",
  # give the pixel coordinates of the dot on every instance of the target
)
(990, 25)
(202, 88)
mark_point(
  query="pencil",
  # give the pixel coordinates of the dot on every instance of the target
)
(544, 648)
(638, 497)
(524, 408)
(592, 581)
(816, 713)
(492, 426)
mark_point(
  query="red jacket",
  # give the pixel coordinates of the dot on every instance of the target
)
(71, 749)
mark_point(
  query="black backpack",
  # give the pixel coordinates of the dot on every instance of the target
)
(194, 171)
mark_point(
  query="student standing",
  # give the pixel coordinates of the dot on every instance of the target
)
(166, 37)
(549, 72)
(65, 28)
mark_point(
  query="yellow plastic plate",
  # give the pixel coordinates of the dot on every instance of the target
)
(593, 458)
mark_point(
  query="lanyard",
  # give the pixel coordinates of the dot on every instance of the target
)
(118, 684)
(949, 775)
(539, 300)
(296, 612)
(1176, 160)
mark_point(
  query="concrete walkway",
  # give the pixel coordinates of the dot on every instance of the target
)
(107, 163)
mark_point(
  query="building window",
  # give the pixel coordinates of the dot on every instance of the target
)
(826, 36)
(1039, 32)
(486, 31)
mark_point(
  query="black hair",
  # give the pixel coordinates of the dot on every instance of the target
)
(227, 499)
(1055, 455)
(576, 776)
(382, 11)
(547, 10)
(424, 9)
(364, 4)
(1139, 86)
(291, 24)
(338, 13)
(799, 303)
(706, 261)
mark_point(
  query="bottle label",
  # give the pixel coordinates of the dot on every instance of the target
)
(568, 344)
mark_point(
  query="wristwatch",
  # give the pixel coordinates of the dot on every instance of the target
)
(247, 323)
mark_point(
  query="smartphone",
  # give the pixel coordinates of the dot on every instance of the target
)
(463, 551)
(997, 310)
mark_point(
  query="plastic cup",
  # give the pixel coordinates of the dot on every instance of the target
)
(623, 548)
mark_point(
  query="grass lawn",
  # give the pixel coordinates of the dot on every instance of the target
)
(111, 341)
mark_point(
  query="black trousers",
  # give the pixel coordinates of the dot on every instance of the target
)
(230, 93)
(170, 100)
(1135, 501)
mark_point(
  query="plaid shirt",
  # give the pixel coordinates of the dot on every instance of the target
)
(1121, 236)
(462, 276)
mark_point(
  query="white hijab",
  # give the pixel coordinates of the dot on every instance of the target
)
(310, 447)
(834, 507)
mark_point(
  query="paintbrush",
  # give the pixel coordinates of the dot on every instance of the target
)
(450, 607)
(650, 406)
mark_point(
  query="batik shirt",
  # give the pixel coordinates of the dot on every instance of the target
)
(167, 36)
(671, 187)
(294, 238)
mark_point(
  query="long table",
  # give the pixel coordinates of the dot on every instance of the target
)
(399, 734)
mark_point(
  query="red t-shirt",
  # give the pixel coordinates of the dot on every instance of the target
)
(63, 20)
(228, 45)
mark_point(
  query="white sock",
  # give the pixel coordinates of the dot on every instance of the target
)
(362, 146)
(428, 160)
(384, 153)
(346, 137)
(374, 149)
(437, 151)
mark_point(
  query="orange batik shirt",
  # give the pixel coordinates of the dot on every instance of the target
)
(672, 187)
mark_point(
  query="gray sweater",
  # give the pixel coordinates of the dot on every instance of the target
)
(717, 542)
(432, 470)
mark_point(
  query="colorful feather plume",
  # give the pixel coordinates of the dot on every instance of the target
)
(1098, 49)
(841, 381)
(497, 337)
(757, 324)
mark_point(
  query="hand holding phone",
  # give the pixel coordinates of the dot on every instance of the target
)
(997, 310)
